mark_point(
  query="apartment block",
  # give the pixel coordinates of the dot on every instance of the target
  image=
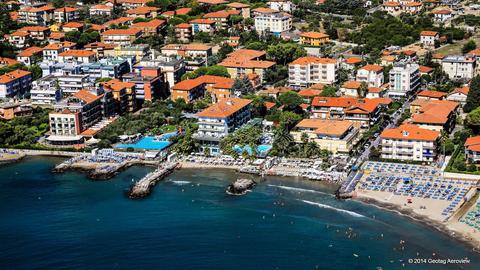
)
(404, 80)
(17, 83)
(309, 70)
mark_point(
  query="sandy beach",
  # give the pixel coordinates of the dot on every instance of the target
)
(430, 216)
(196, 165)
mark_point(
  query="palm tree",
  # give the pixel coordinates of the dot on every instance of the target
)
(282, 140)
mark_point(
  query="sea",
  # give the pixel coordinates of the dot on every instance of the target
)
(67, 221)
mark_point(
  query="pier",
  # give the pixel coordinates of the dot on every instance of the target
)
(143, 187)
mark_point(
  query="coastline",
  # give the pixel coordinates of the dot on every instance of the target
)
(460, 236)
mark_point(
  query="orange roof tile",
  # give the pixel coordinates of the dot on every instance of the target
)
(77, 53)
(86, 96)
(183, 11)
(428, 33)
(433, 111)
(66, 9)
(202, 21)
(34, 29)
(121, 32)
(151, 24)
(225, 108)
(264, 10)
(352, 84)
(212, 2)
(269, 105)
(410, 132)
(117, 85)
(237, 5)
(353, 60)
(314, 35)
(308, 92)
(183, 26)
(8, 61)
(425, 69)
(463, 90)
(441, 11)
(29, 52)
(57, 35)
(13, 75)
(73, 25)
(432, 94)
(472, 141)
(326, 127)
(318, 86)
(142, 10)
(221, 14)
(313, 60)
(391, 4)
(375, 68)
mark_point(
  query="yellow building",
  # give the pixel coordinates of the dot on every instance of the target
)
(314, 38)
(54, 28)
(332, 135)
(244, 62)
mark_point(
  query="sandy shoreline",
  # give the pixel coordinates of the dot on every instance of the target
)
(195, 165)
(445, 228)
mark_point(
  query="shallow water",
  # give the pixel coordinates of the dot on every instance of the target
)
(65, 221)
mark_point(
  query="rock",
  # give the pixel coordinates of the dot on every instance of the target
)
(240, 187)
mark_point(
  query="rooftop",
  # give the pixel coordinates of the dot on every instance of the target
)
(224, 108)
(410, 132)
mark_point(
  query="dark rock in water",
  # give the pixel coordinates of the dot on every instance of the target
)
(240, 187)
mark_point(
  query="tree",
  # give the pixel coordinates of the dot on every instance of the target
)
(211, 70)
(460, 163)
(282, 141)
(473, 120)
(447, 147)
(374, 153)
(58, 3)
(473, 97)
(242, 86)
(329, 91)
(203, 37)
(469, 46)
(291, 100)
(285, 53)
(289, 119)
(362, 90)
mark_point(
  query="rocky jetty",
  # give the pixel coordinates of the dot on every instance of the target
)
(143, 187)
(240, 187)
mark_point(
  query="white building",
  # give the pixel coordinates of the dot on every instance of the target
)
(404, 78)
(309, 70)
(79, 56)
(275, 23)
(45, 91)
(220, 119)
(409, 142)
(428, 38)
(459, 67)
(442, 15)
(71, 84)
(371, 74)
(281, 5)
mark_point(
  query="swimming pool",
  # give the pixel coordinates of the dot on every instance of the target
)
(261, 149)
(148, 143)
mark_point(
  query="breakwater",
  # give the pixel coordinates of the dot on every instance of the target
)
(143, 187)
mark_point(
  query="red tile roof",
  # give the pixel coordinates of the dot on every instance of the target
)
(225, 108)
(410, 132)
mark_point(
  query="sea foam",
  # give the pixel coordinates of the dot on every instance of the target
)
(298, 189)
(353, 214)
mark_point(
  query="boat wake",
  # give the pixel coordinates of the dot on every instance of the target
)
(351, 213)
(299, 189)
(180, 183)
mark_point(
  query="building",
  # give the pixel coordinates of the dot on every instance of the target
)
(433, 114)
(40, 33)
(66, 14)
(309, 70)
(459, 95)
(183, 32)
(352, 89)
(149, 84)
(371, 74)
(221, 18)
(472, 149)
(171, 68)
(404, 79)
(123, 94)
(53, 50)
(101, 10)
(219, 120)
(73, 83)
(442, 15)
(314, 38)
(30, 56)
(121, 36)
(194, 54)
(277, 23)
(106, 68)
(282, 5)
(363, 112)
(45, 91)
(409, 142)
(202, 25)
(194, 89)
(428, 38)
(144, 12)
(78, 56)
(73, 26)
(74, 115)
(101, 49)
(150, 28)
(36, 15)
(459, 67)
(243, 8)
(10, 110)
(431, 95)
(332, 135)
(17, 83)
(243, 62)
(19, 39)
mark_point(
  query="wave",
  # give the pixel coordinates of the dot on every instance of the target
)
(351, 213)
(299, 189)
(179, 182)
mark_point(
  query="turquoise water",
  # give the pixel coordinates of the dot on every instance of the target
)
(147, 143)
(261, 149)
(65, 221)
